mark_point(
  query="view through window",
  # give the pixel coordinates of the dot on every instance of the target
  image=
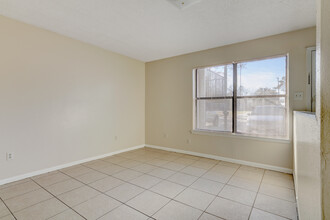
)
(245, 98)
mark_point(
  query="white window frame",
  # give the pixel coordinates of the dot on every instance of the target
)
(235, 134)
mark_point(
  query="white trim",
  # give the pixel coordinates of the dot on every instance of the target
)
(241, 136)
(242, 162)
(38, 172)
(308, 95)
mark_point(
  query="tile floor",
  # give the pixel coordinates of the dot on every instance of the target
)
(151, 184)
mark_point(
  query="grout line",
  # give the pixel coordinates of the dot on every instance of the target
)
(22, 194)
(272, 213)
(255, 199)
(122, 203)
(2, 187)
(154, 157)
(8, 208)
(60, 201)
(221, 191)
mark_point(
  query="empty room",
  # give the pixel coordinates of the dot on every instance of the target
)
(164, 109)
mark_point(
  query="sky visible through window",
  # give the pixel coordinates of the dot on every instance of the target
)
(262, 77)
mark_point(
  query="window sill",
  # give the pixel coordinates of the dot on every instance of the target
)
(241, 136)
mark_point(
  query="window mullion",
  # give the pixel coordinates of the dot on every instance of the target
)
(234, 118)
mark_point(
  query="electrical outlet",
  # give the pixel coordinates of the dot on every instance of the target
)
(116, 137)
(165, 135)
(188, 141)
(298, 96)
(10, 156)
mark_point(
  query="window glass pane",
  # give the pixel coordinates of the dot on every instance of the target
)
(214, 114)
(262, 77)
(216, 81)
(265, 117)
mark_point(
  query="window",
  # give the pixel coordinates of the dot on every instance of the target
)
(247, 98)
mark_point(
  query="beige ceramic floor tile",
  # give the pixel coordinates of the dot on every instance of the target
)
(129, 155)
(238, 195)
(170, 157)
(182, 178)
(148, 168)
(18, 189)
(115, 159)
(125, 192)
(97, 164)
(217, 176)
(62, 187)
(76, 170)
(91, 177)
(144, 158)
(261, 215)
(208, 160)
(229, 164)
(124, 212)
(192, 157)
(97, 207)
(195, 198)
(226, 209)
(244, 183)
(208, 186)
(279, 180)
(167, 189)
(3, 210)
(144, 168)
(145, 181)
(276, 206)
(194, 171)
(173, 166)
(203, 165)
(184, 161)
(14, 183)
(45, 174)
(42, 211)
(127, 174)
(67, 215)
(8, 217)
(161, 173)
(279, 174)
(278, 192)
(253, 169)
(28, 199)
(157, 162)
(106, 184)
(129, 163)
(207, 216)
(148, 202)
(177, 211)
(77, 196)
(220, 173)
(111, 169)
(248, 174)
(51, 179)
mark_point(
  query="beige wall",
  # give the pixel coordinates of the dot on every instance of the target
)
(62, 100)
(169, 98)
(323, 105)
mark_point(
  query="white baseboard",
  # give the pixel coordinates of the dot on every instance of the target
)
(247, 163)
(38, 172)
(242, 162)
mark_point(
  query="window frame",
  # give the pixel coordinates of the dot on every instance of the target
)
(235, 99)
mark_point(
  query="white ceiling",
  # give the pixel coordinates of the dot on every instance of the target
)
(154, 29)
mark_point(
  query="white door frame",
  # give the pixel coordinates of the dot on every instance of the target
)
(309, 61)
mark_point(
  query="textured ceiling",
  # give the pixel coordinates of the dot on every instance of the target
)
(153, 29)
